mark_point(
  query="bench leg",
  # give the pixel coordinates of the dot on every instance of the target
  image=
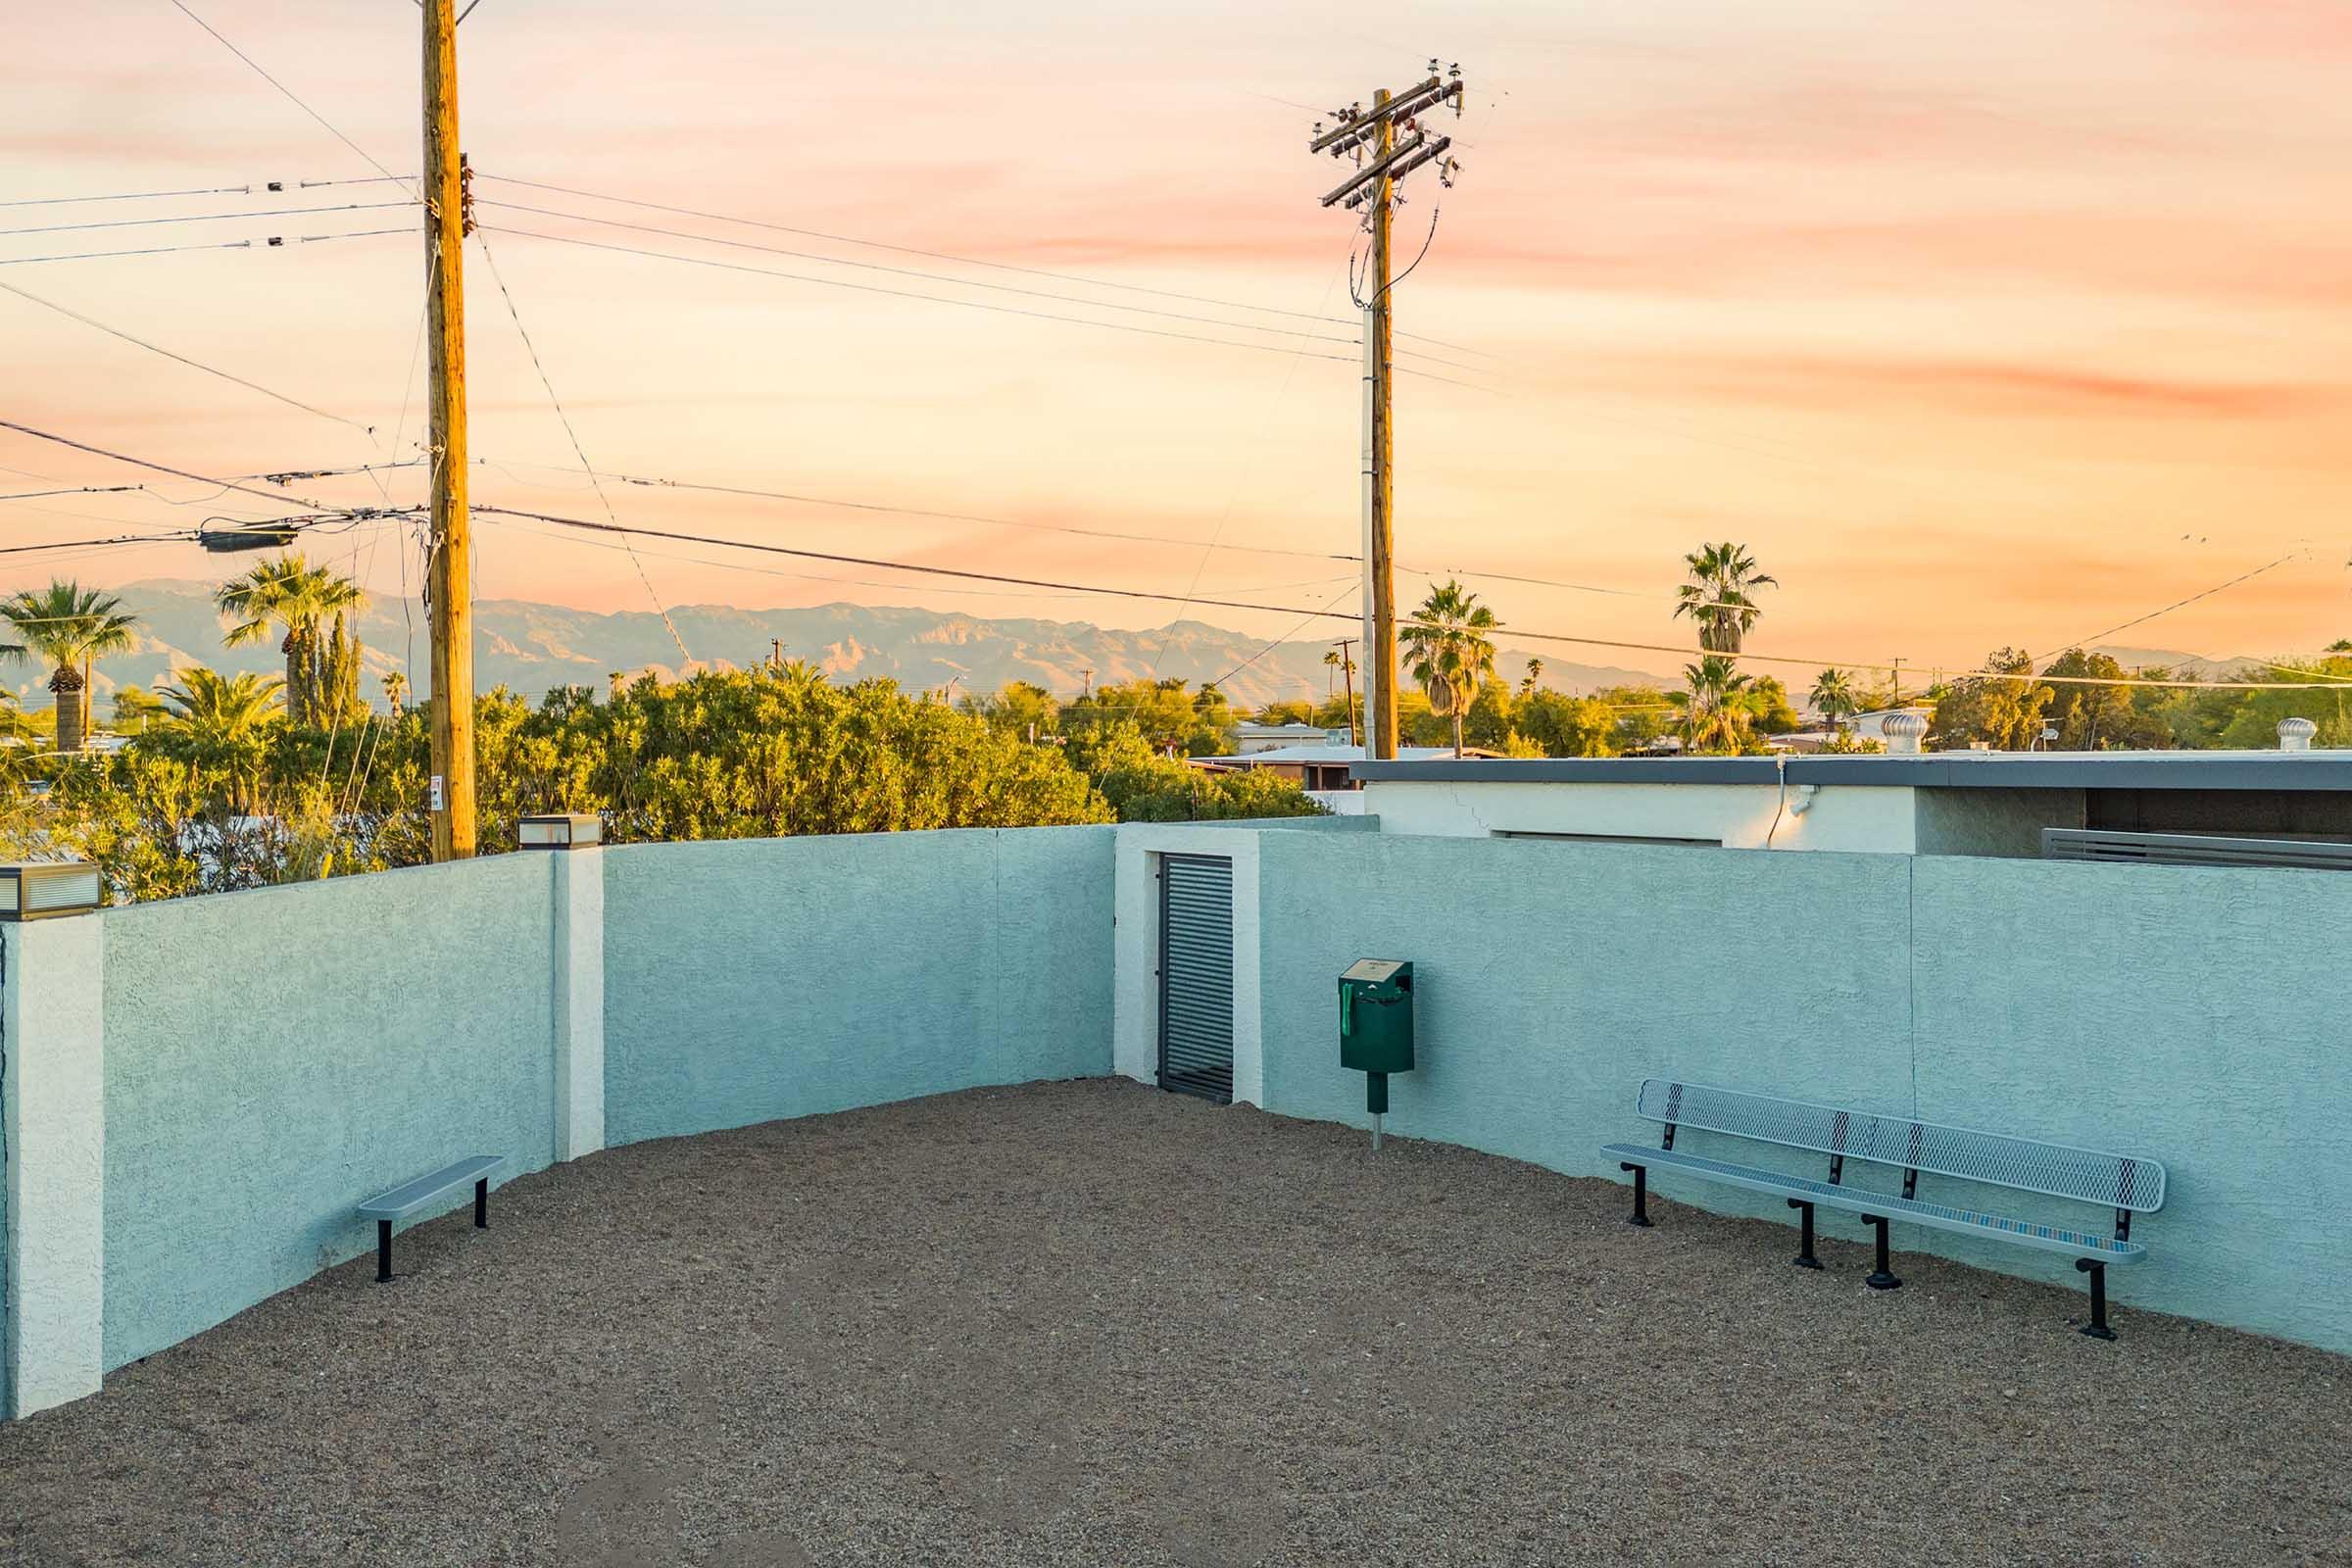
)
(1805, 1257)
(1881, 1278)
(2097, 1327)
(481, 1205)
(1640, 1195)
(383, 1250)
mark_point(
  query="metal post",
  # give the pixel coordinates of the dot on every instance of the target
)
(1805, 1257)
(2097, 1327)
(1881, 1278)
(383, 1250)
(481, 1205)
(1640, 1195)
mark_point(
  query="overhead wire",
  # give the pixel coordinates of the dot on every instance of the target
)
(207, 217)
(282, 499)
(573, 435)
(183, 359)
(1153, 595)
(128, 196)
(150, 250)
(941, 256)
(899, 272)
(897, 293)
(290, 95)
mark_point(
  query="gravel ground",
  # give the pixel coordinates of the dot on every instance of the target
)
(1091, 1323)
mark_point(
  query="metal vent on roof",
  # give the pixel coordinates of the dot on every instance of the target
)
(2193, 849)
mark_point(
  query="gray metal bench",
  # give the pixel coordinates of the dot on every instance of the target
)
(409, 1197)
(2125, 1184)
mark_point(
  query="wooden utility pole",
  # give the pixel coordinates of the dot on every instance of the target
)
(1373, 134)
(449, 566)
(1380, 457)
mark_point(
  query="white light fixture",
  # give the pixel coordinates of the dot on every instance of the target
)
(577, 830)
(34, 890)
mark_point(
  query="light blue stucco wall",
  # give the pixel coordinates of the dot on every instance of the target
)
(2170, 1012)
(274, 1057)
(750, 980)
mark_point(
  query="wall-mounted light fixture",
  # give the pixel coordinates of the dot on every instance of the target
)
(35, 890)
(577, 830)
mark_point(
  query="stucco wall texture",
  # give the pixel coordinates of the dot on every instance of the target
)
(274, 1057)
(750, 980)
(2160, 1010)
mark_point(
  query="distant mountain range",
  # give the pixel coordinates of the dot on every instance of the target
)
(532, 648)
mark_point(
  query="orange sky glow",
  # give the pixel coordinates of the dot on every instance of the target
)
(1978, 325)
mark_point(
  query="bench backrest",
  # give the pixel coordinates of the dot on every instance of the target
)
(2055, 1170)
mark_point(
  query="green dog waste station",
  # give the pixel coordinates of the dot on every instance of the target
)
(1376, 1027)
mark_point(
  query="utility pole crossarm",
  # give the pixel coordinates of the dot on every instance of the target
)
(1359, 128)
(1384, 168)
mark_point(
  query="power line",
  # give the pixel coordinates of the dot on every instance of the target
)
(902, 272)
(282, 499)
(76, 490)
(565, 537)
(152, 250)
(82, 544)
(573, 435)
(208, 218)
(1517, 632)
(2180, 604)
(941, 256)
(194, 365)
(129, 196)
(898, 293)
(229, 245)
(985, 520)
(289, 93)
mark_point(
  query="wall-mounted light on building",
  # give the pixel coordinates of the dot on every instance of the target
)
(35, 890)
(578, 830)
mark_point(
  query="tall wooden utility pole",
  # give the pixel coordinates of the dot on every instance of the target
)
(449, 568)
(1373, 134)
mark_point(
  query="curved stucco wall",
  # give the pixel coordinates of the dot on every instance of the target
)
(274, 1057)
(749, 980)
(2173, 1012)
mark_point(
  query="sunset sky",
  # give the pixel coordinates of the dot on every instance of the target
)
(1990, 324)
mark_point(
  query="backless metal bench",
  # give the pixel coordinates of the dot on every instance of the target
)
(2123, 1183)
(405, 1200)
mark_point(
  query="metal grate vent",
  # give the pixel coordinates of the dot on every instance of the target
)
(2193, 849)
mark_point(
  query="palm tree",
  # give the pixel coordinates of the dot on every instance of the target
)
(1331, 663)
(1834, 696)
(1535, 674)
(222, 723)
(297, 597)
(1721, 577)
(1450, 652)
(1715, 710)
(73, 627)
(396, 690)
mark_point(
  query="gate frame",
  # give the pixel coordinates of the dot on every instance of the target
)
(1136, 944)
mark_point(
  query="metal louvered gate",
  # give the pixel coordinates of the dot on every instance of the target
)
(1196, 975)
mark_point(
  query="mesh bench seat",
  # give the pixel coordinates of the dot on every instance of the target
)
(410, 1196)
(2123, 1184)
(1911, 1211)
